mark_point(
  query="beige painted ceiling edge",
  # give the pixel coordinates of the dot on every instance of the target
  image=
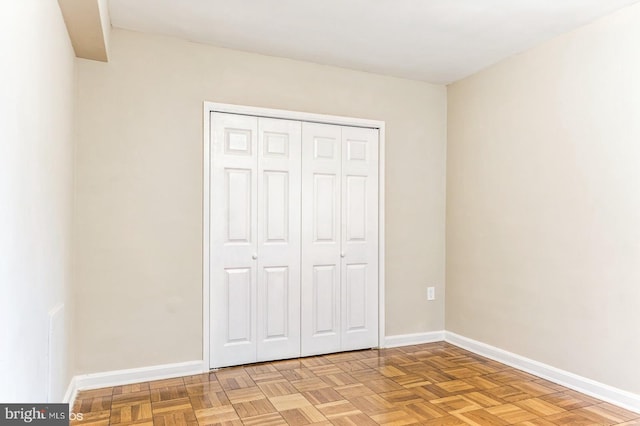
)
(89, 25)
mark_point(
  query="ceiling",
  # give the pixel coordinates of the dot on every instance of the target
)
(439, 41)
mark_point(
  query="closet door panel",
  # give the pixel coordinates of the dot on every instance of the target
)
(233, 236)
(321, 269)
(359, 241)
(278, 251)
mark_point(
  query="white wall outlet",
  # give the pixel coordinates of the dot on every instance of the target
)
(431, 293)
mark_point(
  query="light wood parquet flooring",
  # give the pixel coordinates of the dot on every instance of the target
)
(430, 384)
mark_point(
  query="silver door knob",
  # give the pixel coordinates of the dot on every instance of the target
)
(342, 254)
(254, 256)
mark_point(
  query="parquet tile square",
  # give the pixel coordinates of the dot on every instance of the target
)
(203, 388)
(372, 404)
(254, 408)
(131, 398)
(401, 397)
(411, 380)
(288, 402)
(245, 394)
(353, 390)
(336, 409)
(322, 396)
(168, 392)
(277, 388)
(339, 379)
(99, 403)
(305, 385)
(323, 370)
(512, 414)
(455, 404)
(209, 400)
(297, 374)
(539, 407)
(131, 413)
(424, 410)
(482, 399)
(352, 366)
(436, 376)
(508, 393)
(234, 379)
(303, 416)
(383, 385)
(455, 386)
(431, 384)
(534, 389)
(171, 406)
(462, 372)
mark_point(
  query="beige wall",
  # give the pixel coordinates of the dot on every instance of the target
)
(543, 203)
(36, 187)
(139, 187)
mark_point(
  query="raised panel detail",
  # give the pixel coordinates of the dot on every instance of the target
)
(356, 208)
(238, 198)
(276, 144)
(356, 293)
(237, 142)
(357, 150)
(324, 188)
(324, 290)
(324, 148)
(276, 282)
(276, 186)
(238, 305)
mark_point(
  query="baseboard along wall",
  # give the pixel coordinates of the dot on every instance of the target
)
(610, 394)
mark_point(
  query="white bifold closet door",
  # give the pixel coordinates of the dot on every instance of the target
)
(293, 239)
(339, 238)
(255, 239)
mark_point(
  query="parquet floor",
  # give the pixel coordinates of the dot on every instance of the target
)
(431, 384)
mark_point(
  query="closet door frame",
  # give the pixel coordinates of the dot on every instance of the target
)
(209, 109)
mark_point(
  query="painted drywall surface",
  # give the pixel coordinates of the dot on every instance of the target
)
(36, 153)
(139, 187)
(543, 203)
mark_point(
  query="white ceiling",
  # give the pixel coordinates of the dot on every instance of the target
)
(438, 41)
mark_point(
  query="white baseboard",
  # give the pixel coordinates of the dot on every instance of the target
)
(133, 375)
(619, 397)
(413, 339)
(71, 393)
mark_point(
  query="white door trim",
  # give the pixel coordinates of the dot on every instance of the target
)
(210, 107)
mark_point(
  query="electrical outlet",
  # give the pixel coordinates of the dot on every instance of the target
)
(431, 293)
